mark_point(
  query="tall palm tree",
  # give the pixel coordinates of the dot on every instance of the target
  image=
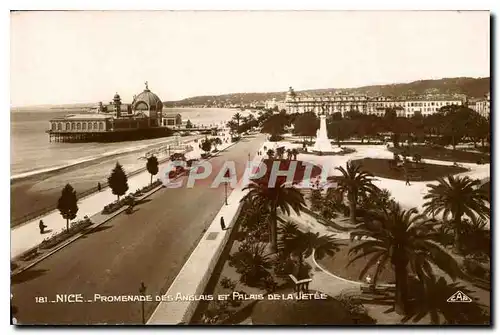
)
(237, 117)
(355, 182)
(273, 197)
(454, 197)
(405, 239)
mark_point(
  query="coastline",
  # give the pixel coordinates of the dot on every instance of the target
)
(39, 192)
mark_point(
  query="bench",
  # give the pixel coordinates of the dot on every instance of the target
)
(300, 285)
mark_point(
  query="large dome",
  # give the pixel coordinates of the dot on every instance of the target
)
(147, 97)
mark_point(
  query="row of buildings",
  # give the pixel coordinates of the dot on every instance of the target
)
(404, 106)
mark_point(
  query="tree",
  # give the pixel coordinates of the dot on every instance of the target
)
(289, 154)
(68, 204)
(341, 130)
(390, 124)
(405, 239)
(189, 124)
(306, 124)
(293, 242)
(237, 118)
(316, 200)
(273, 197)
(458, 120)
(274, 125)
(454, 197)
(118, 181)
(295, 152)
(216, 141)
(355, 182)
(206, 145)
(270, 154)
(280, 152)
(252, 263)
(152, 167)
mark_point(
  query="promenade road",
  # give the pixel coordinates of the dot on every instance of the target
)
(149, 245)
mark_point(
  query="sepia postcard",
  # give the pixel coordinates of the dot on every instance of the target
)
(250, 168)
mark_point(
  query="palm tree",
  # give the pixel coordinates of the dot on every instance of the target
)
(237, 118)
(355, 182)
(252, 263)
(432, 301)
(405, 239)
(454, 197)
(273, 197)
(300, 244)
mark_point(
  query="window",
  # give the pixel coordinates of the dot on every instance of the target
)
(73, 126)
(101, 125)
(53, 126)
(95, 125)
(67, 125)
(90, 125)
(59, 126)
(78, 126)
(84, 126)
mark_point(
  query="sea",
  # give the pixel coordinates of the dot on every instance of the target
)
(32, 153)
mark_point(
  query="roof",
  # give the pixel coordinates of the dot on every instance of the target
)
(149, 98)
(89, 116)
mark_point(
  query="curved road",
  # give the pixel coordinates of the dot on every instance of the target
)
(149, 245)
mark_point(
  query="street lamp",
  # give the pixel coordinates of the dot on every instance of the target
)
(226, 175)
(142, 291)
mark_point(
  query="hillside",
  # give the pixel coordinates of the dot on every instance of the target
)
(472, 87)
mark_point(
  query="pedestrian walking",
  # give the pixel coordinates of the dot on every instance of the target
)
(42, 227)
(407, 179)
(99, 187)
(222, 223)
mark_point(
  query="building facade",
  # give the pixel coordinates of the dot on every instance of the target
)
(145, 111)
(172, 120)
(376, 105)
(483, 106)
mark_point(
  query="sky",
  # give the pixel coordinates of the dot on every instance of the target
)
(88, 56)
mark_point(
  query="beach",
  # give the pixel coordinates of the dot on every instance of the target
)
(39, 169)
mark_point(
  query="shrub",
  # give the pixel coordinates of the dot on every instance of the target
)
(58, 238)
(275, 138)
(225, 282)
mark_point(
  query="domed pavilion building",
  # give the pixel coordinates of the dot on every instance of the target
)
(116, 121)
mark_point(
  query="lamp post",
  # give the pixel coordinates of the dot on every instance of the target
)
(226, 175)
(142, 291)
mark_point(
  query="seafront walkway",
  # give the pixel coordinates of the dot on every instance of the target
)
(27, 235)
(148, 246)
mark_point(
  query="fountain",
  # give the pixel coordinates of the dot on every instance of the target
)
(322, 146)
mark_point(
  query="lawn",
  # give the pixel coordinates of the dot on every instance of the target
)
(443, 154)
(337, 265)
(417, 171)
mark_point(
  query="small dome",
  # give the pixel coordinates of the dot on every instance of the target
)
(117, 96)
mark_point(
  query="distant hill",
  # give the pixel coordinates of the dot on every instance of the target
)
(472, 87)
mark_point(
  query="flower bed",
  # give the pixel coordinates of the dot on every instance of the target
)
(74, 228)
(113, 207)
